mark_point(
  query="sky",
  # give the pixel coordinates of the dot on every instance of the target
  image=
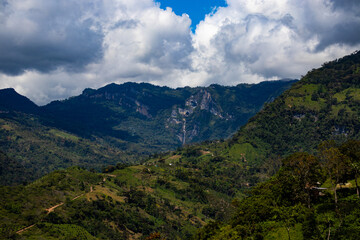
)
(196, 9)
(53, 49)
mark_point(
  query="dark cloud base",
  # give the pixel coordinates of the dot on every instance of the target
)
(66, 42)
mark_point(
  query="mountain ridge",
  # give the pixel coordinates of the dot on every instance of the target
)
(124, 123)
(147, 102)
(11, 100)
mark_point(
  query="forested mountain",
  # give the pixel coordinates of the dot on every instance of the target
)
(121, 123)
(325, 104)
(160, 118)
(314, 195)
(10, 100)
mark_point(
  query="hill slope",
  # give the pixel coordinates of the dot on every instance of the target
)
(324, 104)
(127, 203)
(33, 149)
(311, 197)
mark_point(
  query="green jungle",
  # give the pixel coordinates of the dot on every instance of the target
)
(291, 172)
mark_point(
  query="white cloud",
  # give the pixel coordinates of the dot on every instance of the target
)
(54, 49)
(252, 40)
(43, 35)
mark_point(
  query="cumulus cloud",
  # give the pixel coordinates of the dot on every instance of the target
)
(258, 39)
(43, 35)
(54, 49)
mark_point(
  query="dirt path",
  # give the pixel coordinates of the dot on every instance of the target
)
(24, 229)
(110, 175)
(78, 196)
(49, 210)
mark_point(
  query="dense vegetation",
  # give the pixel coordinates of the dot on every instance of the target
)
(170, 197)
(172, 194)
(311, 197)
(30, 149)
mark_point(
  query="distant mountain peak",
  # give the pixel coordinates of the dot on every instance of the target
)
(10, 100)
(8, 92)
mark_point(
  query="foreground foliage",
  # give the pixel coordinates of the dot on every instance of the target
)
(311, 197)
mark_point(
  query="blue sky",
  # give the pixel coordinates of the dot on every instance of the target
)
(196, 9)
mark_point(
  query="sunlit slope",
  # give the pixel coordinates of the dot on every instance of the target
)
(324, 104)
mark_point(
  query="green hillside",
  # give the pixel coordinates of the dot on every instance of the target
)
(30, 149)
(325, 104)
(191, 194)
(164, 196)
(11, 171)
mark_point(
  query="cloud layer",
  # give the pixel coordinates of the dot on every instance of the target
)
(54, 49)
(43, 35)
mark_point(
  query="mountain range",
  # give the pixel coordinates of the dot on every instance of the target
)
(122, 123)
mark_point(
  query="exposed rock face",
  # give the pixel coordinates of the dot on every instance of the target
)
(142, 109)
(206, 100)
(121, 100)
(208, 104)
(191, 102)
(194, 105)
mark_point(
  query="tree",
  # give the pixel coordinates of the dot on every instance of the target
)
(288, 216)
(304, 171)
(335, 163)
(351, 149)
(309, 226)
